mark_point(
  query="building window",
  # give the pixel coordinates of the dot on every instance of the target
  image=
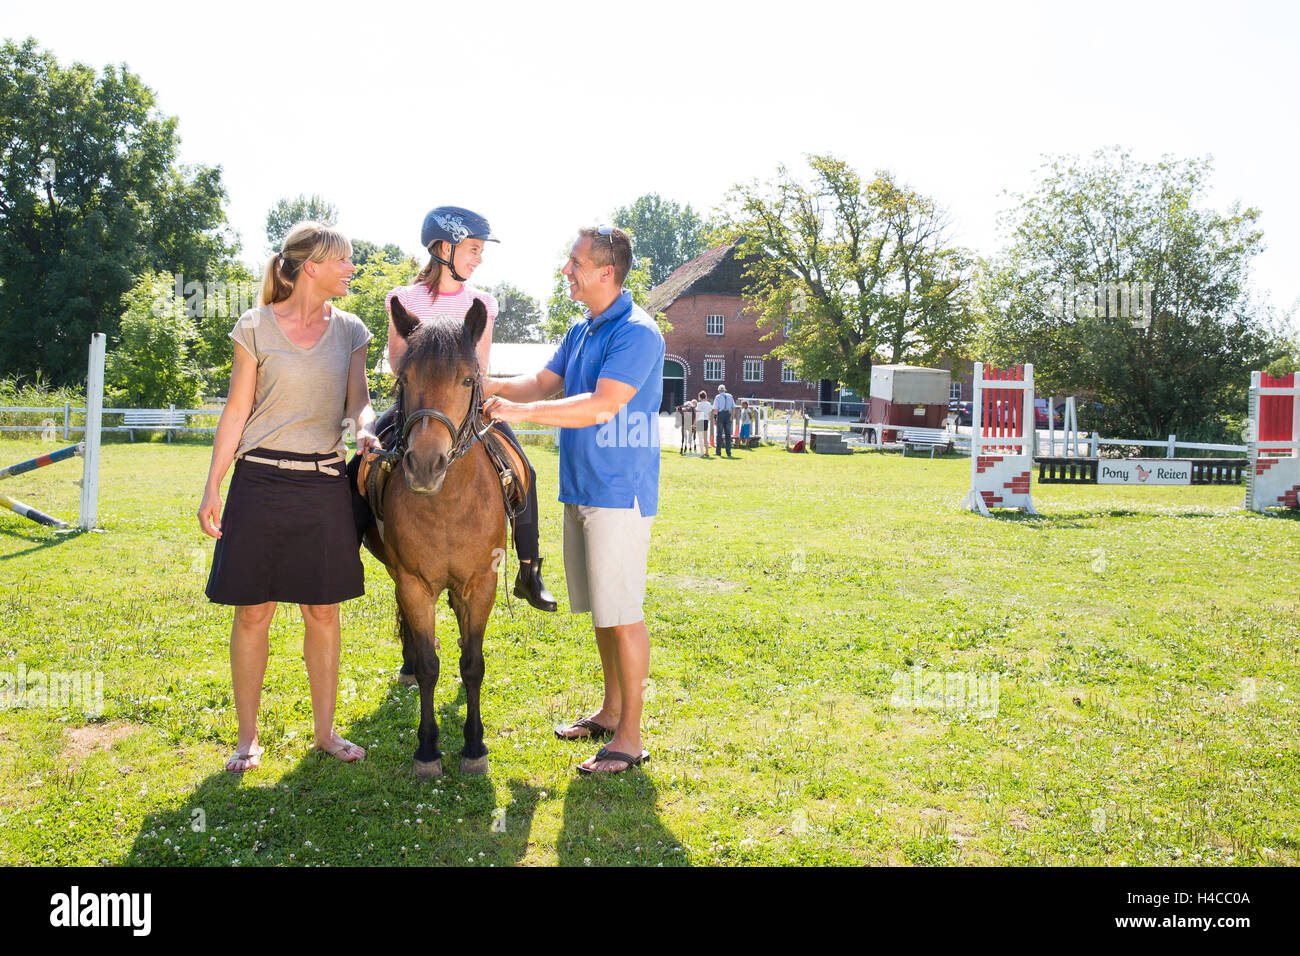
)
(788, 374)
(713, 325)
(713, 368)
(753, 370)
(954, 393)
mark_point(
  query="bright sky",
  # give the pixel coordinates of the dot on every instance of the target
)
(545, 116)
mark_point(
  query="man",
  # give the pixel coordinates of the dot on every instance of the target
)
(610, 367)
(722, 406)
(703, 418)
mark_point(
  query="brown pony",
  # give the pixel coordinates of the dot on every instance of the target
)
(444, 523)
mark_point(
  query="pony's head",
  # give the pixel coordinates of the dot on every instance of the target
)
(437, 373)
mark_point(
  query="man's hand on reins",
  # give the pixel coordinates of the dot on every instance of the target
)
(504, 410)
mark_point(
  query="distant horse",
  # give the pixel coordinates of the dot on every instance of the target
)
(686, 419)
(443, 525)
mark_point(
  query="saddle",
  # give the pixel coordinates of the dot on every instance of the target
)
(512, 473)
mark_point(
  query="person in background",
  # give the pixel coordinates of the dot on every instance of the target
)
(723, 405)
(297, 381)
(703, 412)
(746, 423)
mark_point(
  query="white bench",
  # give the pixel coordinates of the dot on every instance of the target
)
(152, 418)
(931, 438)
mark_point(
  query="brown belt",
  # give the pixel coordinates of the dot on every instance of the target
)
(321, 466)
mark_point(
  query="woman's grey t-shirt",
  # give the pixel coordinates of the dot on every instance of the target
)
(301, 393)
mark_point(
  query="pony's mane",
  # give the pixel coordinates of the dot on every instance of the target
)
(436, 346)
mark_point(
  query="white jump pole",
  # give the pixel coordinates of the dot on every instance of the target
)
(94, 417)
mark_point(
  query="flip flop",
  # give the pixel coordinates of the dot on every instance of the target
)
(347, 752)
(252, 760)
(604, 753)
(595, 731)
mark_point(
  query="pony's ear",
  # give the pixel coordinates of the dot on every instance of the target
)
(403, 321)
(476, 321)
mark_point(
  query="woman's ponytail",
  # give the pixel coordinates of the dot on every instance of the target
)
(306, 241)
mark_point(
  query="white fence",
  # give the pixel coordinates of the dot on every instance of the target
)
(1086, 445)
(68, 410)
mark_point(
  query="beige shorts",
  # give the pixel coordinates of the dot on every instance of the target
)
(605, 553)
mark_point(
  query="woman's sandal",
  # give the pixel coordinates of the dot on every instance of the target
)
(594, 730)
(251, 760)
(346, 751)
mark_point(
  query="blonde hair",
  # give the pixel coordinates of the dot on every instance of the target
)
(306, 241)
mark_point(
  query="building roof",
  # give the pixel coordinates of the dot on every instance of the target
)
(719, 272)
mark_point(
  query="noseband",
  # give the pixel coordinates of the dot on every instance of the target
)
(471, 429)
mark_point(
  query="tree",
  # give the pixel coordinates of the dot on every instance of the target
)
(853, 273)
(562, 311)
(214, 309)
(151, 365)
(665, 235)
(519, 317)
(281, 217)
(1119, 282)
(90, 196)
(367, 293)
(363, 252)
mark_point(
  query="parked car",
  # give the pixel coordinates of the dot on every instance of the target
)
(964, 411)
(1040, 414)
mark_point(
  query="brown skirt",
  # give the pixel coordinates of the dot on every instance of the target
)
(286, 536)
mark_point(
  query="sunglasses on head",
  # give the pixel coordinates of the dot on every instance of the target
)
(608, 233)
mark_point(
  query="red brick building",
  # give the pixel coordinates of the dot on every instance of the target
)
(715, 338)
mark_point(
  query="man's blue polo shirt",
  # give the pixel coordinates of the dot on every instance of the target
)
(615, 464)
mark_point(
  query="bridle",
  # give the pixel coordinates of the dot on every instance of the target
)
(472, 429)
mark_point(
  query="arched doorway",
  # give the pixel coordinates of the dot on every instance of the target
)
(674, 385)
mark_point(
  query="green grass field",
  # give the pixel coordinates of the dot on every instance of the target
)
(801, 608)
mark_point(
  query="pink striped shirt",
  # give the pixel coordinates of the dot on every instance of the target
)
(417, 301)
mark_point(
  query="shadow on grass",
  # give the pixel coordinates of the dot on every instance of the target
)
(613, 820)
(370, 813)
(40, 541)
(1286, 514)
(1056, 520)
(376, 813)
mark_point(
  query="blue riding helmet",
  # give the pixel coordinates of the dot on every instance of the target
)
(453, 225)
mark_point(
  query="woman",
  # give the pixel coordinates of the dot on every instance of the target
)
(297, 382)
(703, 409)
(455, 238)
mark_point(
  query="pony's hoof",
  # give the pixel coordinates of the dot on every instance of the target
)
(428, 769)
(474, 766)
